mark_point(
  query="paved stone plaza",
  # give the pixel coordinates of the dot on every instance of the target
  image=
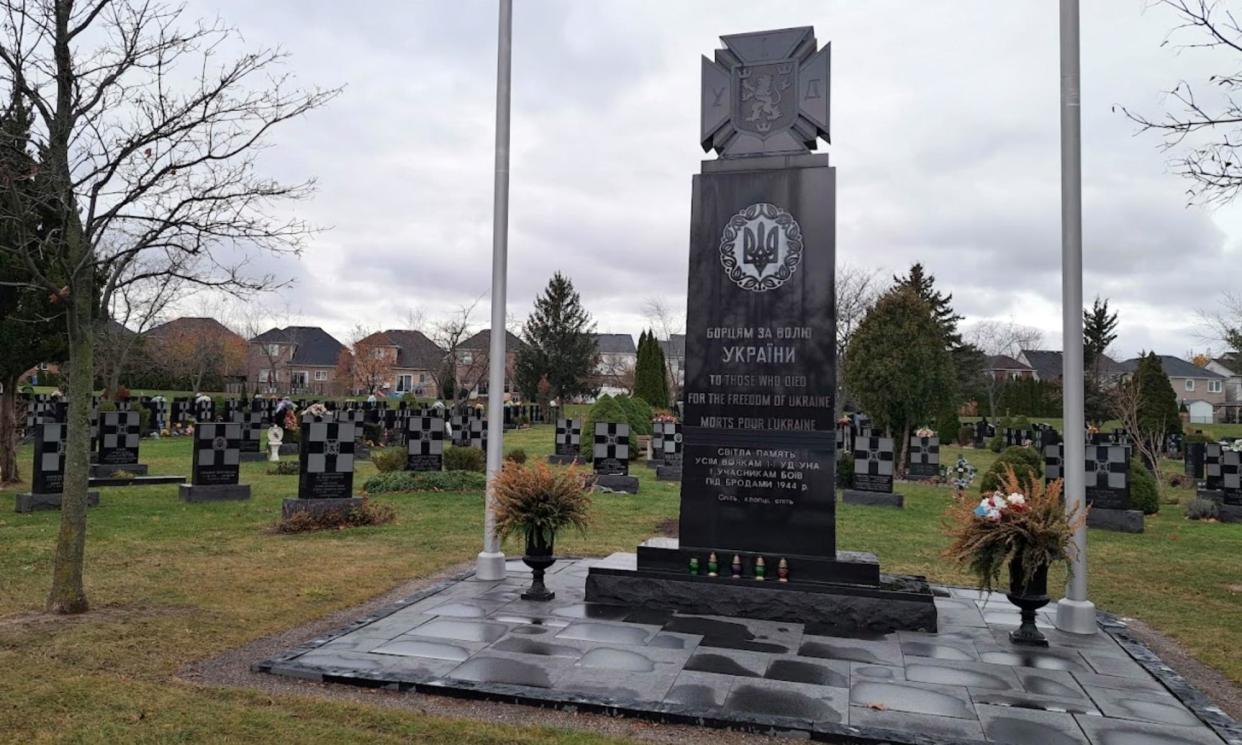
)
(964, 684)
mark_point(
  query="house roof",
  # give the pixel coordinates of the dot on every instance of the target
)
(483, 341)
(1231, 362)
(615, 344)
(1047, 363)
(1176, 367)
(1005, 362)
(674, 346)
(191, 326)
(414, 350)
(312, 345)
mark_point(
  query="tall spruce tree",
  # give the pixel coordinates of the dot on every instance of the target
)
(560, 344)
(968, 360)
(650, 378)
(1099, 330)
(1157, 406)
(897, 365)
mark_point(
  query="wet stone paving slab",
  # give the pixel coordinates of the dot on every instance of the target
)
(965, 684)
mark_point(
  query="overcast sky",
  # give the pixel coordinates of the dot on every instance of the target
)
(945, 134)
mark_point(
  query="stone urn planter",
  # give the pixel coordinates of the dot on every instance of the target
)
(1029, 598)
(538, 557)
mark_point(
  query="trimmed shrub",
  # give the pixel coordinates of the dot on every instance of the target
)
(434, 481)
(367, 514)
(1144, 493)
(996, 444)
(283, 468)
(845, 470)
(389, 460)
(638, 413)
(464, 459)
(605, 409)
(1026, 465)
(1202, 509)
(947, 427)
(516, 455)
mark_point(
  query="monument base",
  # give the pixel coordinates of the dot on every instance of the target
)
(252, 457)
(213, 492)
(617, 483)
(318, 507)
(872, 498)
(288, 448)
(894, 604)
(652, 463)
(1121, 521)
(1216, 495)
(1229, 513)
(564, 460)
(31, 502)
(668, 473)
(106, 470)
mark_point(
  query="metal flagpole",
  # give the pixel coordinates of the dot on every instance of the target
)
(1075, 613)
(491, 561)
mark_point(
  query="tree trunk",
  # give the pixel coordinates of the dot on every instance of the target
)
(68, 594)
(9, 473)
(904, 448)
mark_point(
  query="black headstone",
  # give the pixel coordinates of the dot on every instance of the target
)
(1231, 477)
(1212, 452)
(217, 453)
(326, 459)
(424, 443)
(611, 451)
(1193, 459)
(118, 438)
(873, 464)
(568, 436)
(673, 444)
(924, 458)
(48, 474)
(1108, 477)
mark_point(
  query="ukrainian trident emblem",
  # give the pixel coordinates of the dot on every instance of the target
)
(761, 247)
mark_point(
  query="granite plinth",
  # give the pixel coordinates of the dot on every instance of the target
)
(252, 457)
(318, 507)
(213, 492)
(288, 448)
(1229, 513)
(896, 604)
(668, 556)
(564, 460)
(1216, 495)
(30, 502)
(106, 470)
(872, 498)
(668, 473)
(1121, 521)
(136, 480)
(652, 463)
(616, 483)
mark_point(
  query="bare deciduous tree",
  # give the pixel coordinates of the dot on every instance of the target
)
(136, 309)
(856, 291)
(1204, 133)
(668, 323)
(1148, 440)
(146, 142)
(448, 334)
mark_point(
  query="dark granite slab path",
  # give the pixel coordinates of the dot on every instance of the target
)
(965, 684)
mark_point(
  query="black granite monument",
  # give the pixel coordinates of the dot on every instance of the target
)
(216, 464)
(924, 458)
(1108, 489)
(610, 458)
(874, 460)
(47, 479)
(757, 496)
(424, 443)
(671, 458)
(1230, 507)
(568, 442)
(118, 445)
(325, 467)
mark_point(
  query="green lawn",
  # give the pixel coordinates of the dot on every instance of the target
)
(172, 583)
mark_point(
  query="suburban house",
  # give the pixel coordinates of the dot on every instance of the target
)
(294, 360)
(1196, 387)
(409, 363)
(1002, 368)
(472, 362)
(1230, 366)
(614, 370)
(1047, 364)
(200, 353)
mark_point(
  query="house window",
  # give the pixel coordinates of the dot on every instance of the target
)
(1215, 386)
(467, 358)
(379, 354)
(422, 378)
(273, 350)
(265, 376)
(404, 383)
(321, 375)
(1190, 384)
(297, 378)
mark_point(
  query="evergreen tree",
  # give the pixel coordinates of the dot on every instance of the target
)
(898, 367)
(650, 380)
(924, 285)
(560, 344)
(1099, 330)
(1157, 407)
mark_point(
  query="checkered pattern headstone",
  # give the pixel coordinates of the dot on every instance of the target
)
(204, 410)
(843, 437)
(672, 444)
(326, 459)
(657, 439)
(252, 431)
(1108, 477)
(610, 455)
(478, 434)
(924, 457)
(1053, 462)
(1211, 465)
(568, 436)
(1173, 444)
(159, 414)
(1231, 477)
(1192, 459)
(48, 474)
(424, 443)
(118, 438)
(873, 464)
(357, 417)
(217, 453)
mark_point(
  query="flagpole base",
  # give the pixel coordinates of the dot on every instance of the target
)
(1076, 616)
(490, 567)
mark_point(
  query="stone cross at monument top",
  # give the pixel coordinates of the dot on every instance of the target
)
(766, 93)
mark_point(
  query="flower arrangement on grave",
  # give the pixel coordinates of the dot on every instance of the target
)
(924, 432)
(537, 502)
(316, 410)
(664, 416)
(202, 398)
(962, 475)
(1235, 446)
(1023, 529)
